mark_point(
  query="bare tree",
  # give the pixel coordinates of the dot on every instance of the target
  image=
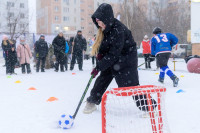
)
(141, 20)
(17, 20)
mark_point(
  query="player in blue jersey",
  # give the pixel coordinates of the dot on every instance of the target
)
(161, 47)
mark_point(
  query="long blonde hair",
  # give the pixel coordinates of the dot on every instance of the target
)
(5, 42)
(97, 43)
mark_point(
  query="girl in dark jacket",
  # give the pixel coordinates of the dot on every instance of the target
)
(116, 53)
(10, 55)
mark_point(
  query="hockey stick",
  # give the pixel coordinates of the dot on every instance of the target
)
(141, 64)
(83, 96)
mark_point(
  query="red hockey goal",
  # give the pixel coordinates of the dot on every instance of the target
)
(121, 115)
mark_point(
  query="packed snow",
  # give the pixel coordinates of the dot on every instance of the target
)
(27, 111)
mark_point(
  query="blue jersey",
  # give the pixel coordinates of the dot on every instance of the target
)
(163, 43)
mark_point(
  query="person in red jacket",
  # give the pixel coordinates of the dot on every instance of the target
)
(146, 51)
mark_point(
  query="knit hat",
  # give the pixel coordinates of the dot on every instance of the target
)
(4, 37)
(22, 38)
(146, 37)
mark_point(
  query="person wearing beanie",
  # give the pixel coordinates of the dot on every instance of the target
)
(59, 45)
(79, 48)
(10, 55)
(146, 51)
(116, 54)
(24, 55)
(41, 49)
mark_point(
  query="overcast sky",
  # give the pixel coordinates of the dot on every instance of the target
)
(32, 16)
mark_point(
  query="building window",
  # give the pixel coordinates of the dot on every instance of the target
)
(56, 0)
(66, 2)
(74, 1)
(90, 23)
(10, 4)
(66, 9)
(56, 18)
(82, 10)
(90, 6)
(90, 32)
(74, 10)
(22, 26)
(82, 1)
(11, 14)
(10, 24)
(21, 5)
(82, 19)
(65, 18)
(56, 8)
(74, 20)
(82, 28)
(22, 15)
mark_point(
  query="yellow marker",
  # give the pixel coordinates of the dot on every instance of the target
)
(182, 76)
(156, 73)
(17, 81)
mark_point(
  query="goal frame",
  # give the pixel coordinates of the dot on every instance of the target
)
(142, 90)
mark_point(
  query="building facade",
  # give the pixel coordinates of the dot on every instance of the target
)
(14, 16)
(54, 16)
(68, 16)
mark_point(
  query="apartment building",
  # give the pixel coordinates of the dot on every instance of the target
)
(14, 15)
(54, 16)
(69, 16)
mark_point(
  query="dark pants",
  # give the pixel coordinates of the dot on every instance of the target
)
(39, 59)
(10, 64)
(127, 77)
(79, 57)
(147, 61)
(162, 59)
(94, 59)
(26, 67)
(60, 60)
(66, 62)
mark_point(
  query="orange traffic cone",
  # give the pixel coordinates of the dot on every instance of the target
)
(51, 99)
(32, 89)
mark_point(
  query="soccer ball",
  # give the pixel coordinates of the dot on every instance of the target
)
(66, 121)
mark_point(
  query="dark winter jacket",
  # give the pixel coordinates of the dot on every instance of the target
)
(59, 44)
(118, 47)
(41, 48)
(9, 54)
(80, 44)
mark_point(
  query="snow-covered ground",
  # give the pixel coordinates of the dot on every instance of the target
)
(24, 111)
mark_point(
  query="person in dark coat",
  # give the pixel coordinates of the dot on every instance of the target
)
(41, 49)
(79, 47)
(59, 44)
(10, 55)
(117, 57)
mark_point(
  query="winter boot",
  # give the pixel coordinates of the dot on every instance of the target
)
(89, 108)
(161, 80)
(175, 80)
(42, 70)
(62, 68)
(23, 69)
(28, 68)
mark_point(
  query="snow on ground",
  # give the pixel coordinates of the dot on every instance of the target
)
(24, 111)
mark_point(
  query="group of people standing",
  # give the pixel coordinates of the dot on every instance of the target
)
(62, 49)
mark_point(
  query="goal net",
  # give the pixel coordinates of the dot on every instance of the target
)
(138, 109)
